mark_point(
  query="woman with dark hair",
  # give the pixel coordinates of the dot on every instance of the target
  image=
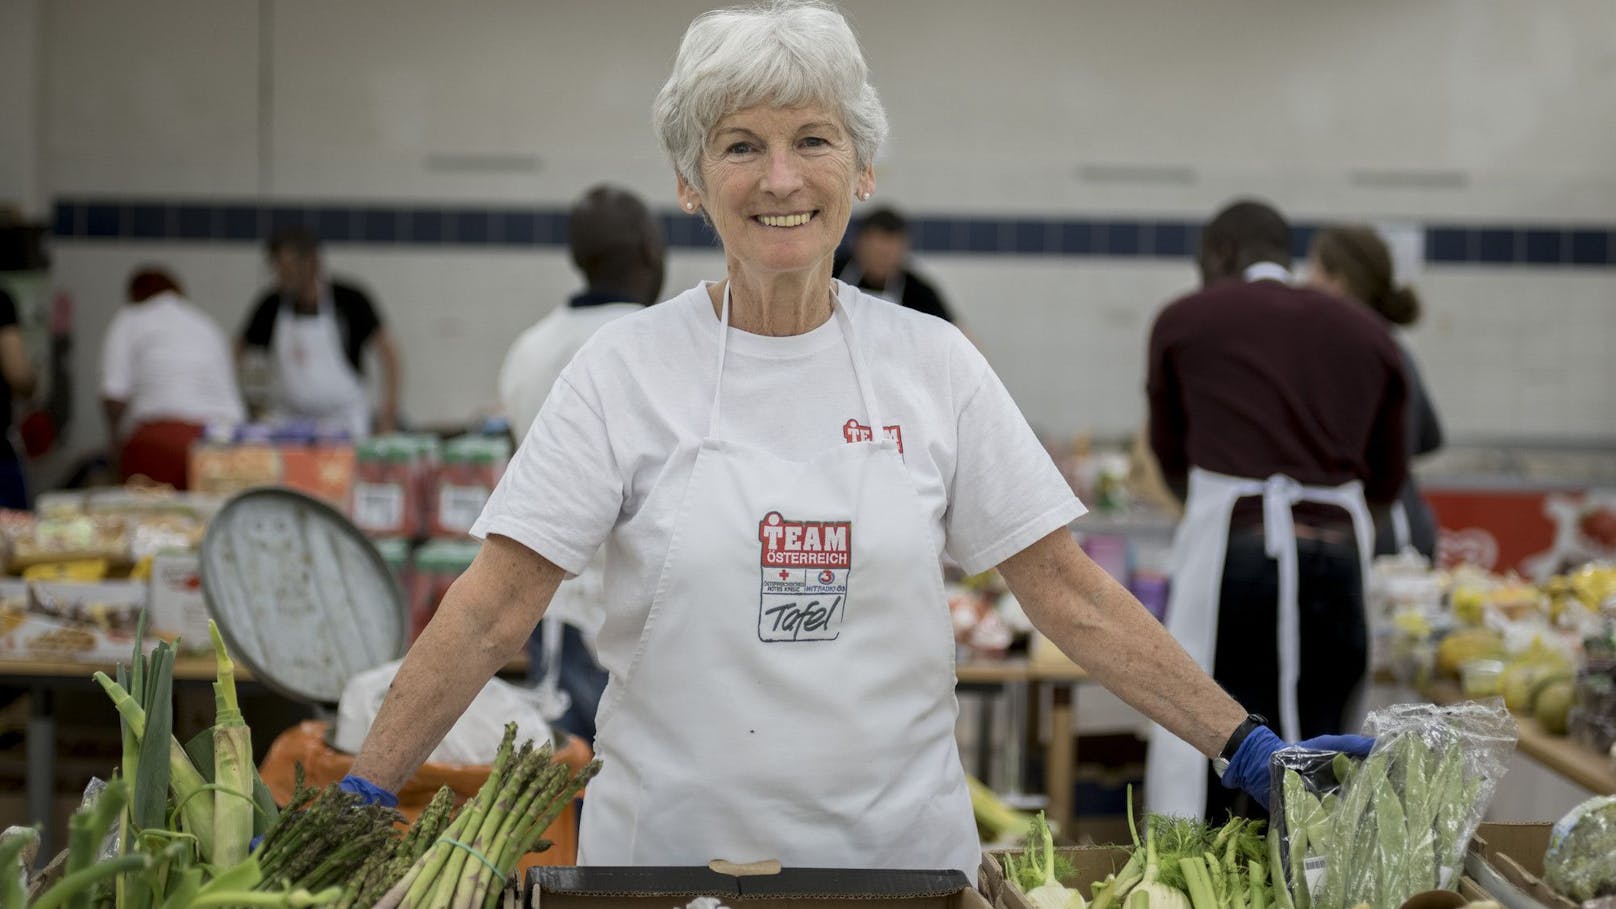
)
(166, 375)
(1352, 261)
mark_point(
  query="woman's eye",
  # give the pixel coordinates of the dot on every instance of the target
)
(739, 148)
(815, 142)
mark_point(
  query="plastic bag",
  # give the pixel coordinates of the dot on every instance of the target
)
(476, 735)
(1304, 787)
(1400, 822)
(1578, 862)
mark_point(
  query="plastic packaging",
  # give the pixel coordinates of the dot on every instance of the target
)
(1400, 822)
(1304, 786)
(1578, 861)
(475, 737)
(472, 466)
(385, 503)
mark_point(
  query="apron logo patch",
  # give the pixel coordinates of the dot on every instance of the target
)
(804, 565)
(854, 431)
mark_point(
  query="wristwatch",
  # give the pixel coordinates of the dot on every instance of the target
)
(1220, 764)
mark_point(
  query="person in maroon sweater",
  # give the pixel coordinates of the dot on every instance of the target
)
(1277, 415)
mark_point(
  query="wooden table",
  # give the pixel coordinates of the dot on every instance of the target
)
(43, 679)
(1028, 676)
(1581, 765)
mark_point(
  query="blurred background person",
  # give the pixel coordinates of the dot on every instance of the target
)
(879, 263)
(1276, 413)
(317, 332)
(166, 376)
(17, 382)
(617, 245)
(1353, 261)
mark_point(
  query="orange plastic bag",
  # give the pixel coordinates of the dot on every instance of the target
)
(305, 744)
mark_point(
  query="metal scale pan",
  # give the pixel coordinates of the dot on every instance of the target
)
(302, 598)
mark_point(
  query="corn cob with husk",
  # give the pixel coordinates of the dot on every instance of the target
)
(232, 764)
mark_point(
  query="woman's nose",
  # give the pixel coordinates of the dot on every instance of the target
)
(783, 173)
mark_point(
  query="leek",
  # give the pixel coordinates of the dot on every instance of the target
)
(183, 779)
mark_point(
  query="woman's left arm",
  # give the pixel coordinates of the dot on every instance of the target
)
(1096, 622)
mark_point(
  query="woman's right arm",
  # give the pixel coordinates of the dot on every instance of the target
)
(485, 618)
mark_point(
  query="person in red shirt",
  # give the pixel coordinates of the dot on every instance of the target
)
(1277, 414)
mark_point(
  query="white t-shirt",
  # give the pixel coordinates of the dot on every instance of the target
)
(530, 370)
(167, 360)
(630, 411)
(541, 352)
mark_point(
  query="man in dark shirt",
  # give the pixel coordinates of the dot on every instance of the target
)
(878, 264)
(316, 332)
(1263, 394)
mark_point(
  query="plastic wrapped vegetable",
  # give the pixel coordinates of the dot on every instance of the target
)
(1401, 820)
(1579, 862)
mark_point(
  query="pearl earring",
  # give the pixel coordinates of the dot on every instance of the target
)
(690, 206)
(864, 197)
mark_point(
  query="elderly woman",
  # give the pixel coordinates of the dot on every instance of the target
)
(776, 464)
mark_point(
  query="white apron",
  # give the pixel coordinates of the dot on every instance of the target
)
(313, 376)
(1175, 773)
(792, 694)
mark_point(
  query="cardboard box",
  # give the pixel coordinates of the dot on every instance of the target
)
(323, 471)
(1091, 864)
(178, 608)
(1515, 852)
(1473, 892)
(790, 888)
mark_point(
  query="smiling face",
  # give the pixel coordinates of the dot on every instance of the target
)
(780, 183)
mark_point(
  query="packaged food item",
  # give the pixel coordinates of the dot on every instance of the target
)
(178, 608)
(398, 554)
(68, 538)
(1398, 823)
(385, 495)
(437, 564)
(472, 466)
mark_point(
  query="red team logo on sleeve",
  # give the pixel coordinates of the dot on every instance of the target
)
(804, 568)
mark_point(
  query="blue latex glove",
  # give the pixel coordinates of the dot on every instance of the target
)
(370, 792)
(1248, 769)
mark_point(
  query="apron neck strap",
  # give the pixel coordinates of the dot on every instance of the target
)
(861, 374)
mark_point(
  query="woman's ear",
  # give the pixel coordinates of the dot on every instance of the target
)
(864, 187)
(689, 199)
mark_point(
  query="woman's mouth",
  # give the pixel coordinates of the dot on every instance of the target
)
(797, 219)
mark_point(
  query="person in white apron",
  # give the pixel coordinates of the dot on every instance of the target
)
(313, 378)
(774, 508)
(1273, 609)
(707, 764)
(315, 331)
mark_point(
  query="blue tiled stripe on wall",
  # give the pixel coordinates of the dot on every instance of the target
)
(247, 221)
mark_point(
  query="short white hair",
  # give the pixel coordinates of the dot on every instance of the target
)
(789, 53)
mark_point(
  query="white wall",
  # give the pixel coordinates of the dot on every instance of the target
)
(19, 107)
(996, 108)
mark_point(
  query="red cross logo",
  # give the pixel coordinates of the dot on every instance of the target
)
(784, 574)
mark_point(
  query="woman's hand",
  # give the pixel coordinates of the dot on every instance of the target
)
(1248, 768)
